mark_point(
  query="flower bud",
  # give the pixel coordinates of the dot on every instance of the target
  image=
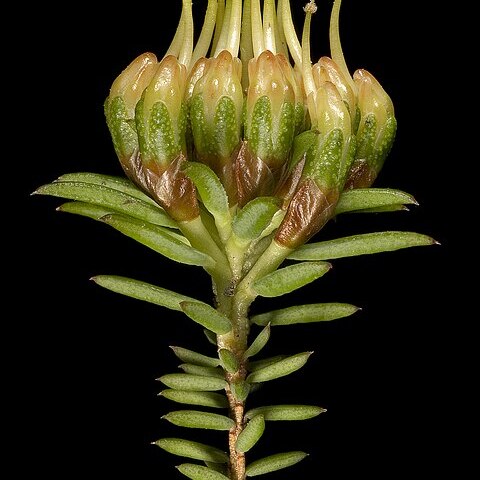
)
(376, 131)
(216, 116)
(270, 110)
(326, 165)
(160, 116)
(120, 105)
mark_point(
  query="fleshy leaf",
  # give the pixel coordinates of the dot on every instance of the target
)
(254, 218)
(217, 467)
(280, 369)
(211, 337)
(258, 344)
(189, 356)
(189, 449)
(229, 360)
(204, 399)
(288, 279)
(207, 316)
(193, 383)
(315, 312)
(198, 472)
(372, 198)
(301, 145)
(251, 434)
(286, 412)
(107, 197)
(264, 362)
(195, 419)
(202, 371)
(274, 463)
(141, 291)
(116, 183)
(240, 390)
(363, 244)
(212, 194)
(158, 239)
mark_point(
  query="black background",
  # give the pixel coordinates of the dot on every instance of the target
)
(385, 375)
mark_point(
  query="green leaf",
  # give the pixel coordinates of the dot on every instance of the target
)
(97, 213)
(286, 412)
(195, 419)
(385, 209)
(202, 371)
(265, 362)
(280, 369)
(204, 399)
(254, 218)
(212, 194)
(229, 360)
(364, 244)
(251, 434)
(240, 390)
(315, 312)
(211, 337)
(207, 316)
(193, 383)
(189, 356)
(217, 467)
(197, 472)
(107, 197)
(158, 239)
(301, 145)
(186, 448)
(141, 291)
(274, 463)
(116, 183)
(258, 344)
(288, 279)
(372, 198)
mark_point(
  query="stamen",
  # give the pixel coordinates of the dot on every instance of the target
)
(187, 46)
(290, 34)
(205, 38)
(269, 25)
(257, 29)
(281, 40)
(218, 25)
(335, 44)
(235, 28)
(308, 81)
(176, 44)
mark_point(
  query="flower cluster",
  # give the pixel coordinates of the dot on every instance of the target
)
(266, 127)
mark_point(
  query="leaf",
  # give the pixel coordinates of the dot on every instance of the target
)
(198, 472)
(97, 213)
(158, 239)
(107, 197)
(189, 356)
(204, 399)
(254, 217)
(189, 449)
(229, 360)
(372, 198)
(251, 434)
(207, 316)
(212, 194)
(385, 209)
(193, 383)
(195, 419)
(141, 291)
(363, 244)
(202, 371)
(286, 412)
(315, 312)
(274, 463)
(116, 183)
(258, 344)
(240, 390)
(301, 145)
(217, 467)
(280, 369)
(264, 362)
(288, 279)
(211, 337)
